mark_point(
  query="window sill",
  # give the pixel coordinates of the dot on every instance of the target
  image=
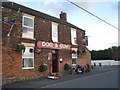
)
(75, 44)
(55, 42)
(28, 38)
(28, 68)
(74, 64)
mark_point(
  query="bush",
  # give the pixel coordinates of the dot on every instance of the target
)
(67, 67)
(80, 52)
(43, 68)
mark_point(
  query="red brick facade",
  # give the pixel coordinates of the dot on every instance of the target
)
(12, 60)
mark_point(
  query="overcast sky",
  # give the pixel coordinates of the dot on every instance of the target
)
(100, 34)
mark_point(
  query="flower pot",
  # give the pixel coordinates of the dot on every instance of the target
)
(42, 68)
(20, 47)
(67, 67)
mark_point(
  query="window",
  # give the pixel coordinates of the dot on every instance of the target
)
(55, 32)
(73, 37)
(28, 58)
(28, 27)
(74, 58)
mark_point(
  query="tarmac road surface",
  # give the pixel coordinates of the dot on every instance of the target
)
(101, 77)
(102, 80)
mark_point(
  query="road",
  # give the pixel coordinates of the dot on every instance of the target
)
(101, 77)
(103, 80)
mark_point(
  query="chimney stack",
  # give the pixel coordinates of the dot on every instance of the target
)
(63, 16)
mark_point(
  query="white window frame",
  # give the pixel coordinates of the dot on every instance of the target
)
(28, 26)
(73, 37)
(75, 58)
(55, 35)
(28, 57)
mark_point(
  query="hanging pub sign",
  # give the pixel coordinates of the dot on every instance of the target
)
(52, 45)
(85, 41)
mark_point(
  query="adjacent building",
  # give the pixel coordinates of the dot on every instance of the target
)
(45, 40)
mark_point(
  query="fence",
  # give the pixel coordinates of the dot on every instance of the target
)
(105, 62)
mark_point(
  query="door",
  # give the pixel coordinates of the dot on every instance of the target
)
(54, 61)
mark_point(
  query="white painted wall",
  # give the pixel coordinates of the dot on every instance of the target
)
(105, 62)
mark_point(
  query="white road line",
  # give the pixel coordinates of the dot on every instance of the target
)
(78, 79)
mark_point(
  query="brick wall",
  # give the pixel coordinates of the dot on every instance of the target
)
(42, 29)
(64, 34)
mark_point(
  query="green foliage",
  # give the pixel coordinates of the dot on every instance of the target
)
(105, 54)
(80, 52)
(20, 48)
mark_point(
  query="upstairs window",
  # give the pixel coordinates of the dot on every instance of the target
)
(73, 37)
(54, 32)
(28, 27)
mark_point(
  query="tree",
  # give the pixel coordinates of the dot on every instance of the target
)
(110, 53)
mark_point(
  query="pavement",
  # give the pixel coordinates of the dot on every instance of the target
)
(43, 82)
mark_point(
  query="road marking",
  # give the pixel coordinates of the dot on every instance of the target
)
(78, 79)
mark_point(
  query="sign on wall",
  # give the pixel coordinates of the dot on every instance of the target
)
(85, 41)
(52, 45)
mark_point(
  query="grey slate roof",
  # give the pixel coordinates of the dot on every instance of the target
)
(38, 14)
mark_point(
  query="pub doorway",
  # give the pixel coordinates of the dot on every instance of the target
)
(54, 61)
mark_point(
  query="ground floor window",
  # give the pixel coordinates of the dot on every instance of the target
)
(28, 58)
(74, 59)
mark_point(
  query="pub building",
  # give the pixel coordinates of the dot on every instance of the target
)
(32, 39)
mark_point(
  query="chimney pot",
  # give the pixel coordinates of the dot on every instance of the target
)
(63, 16)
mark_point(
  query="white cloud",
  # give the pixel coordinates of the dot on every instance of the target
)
(51, 1)
(47, 1)
(94, 0)
(119, 37)
(101, 36)
(27, 0)
(83, 0)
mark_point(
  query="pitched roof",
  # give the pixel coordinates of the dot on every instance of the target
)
(38, 14)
